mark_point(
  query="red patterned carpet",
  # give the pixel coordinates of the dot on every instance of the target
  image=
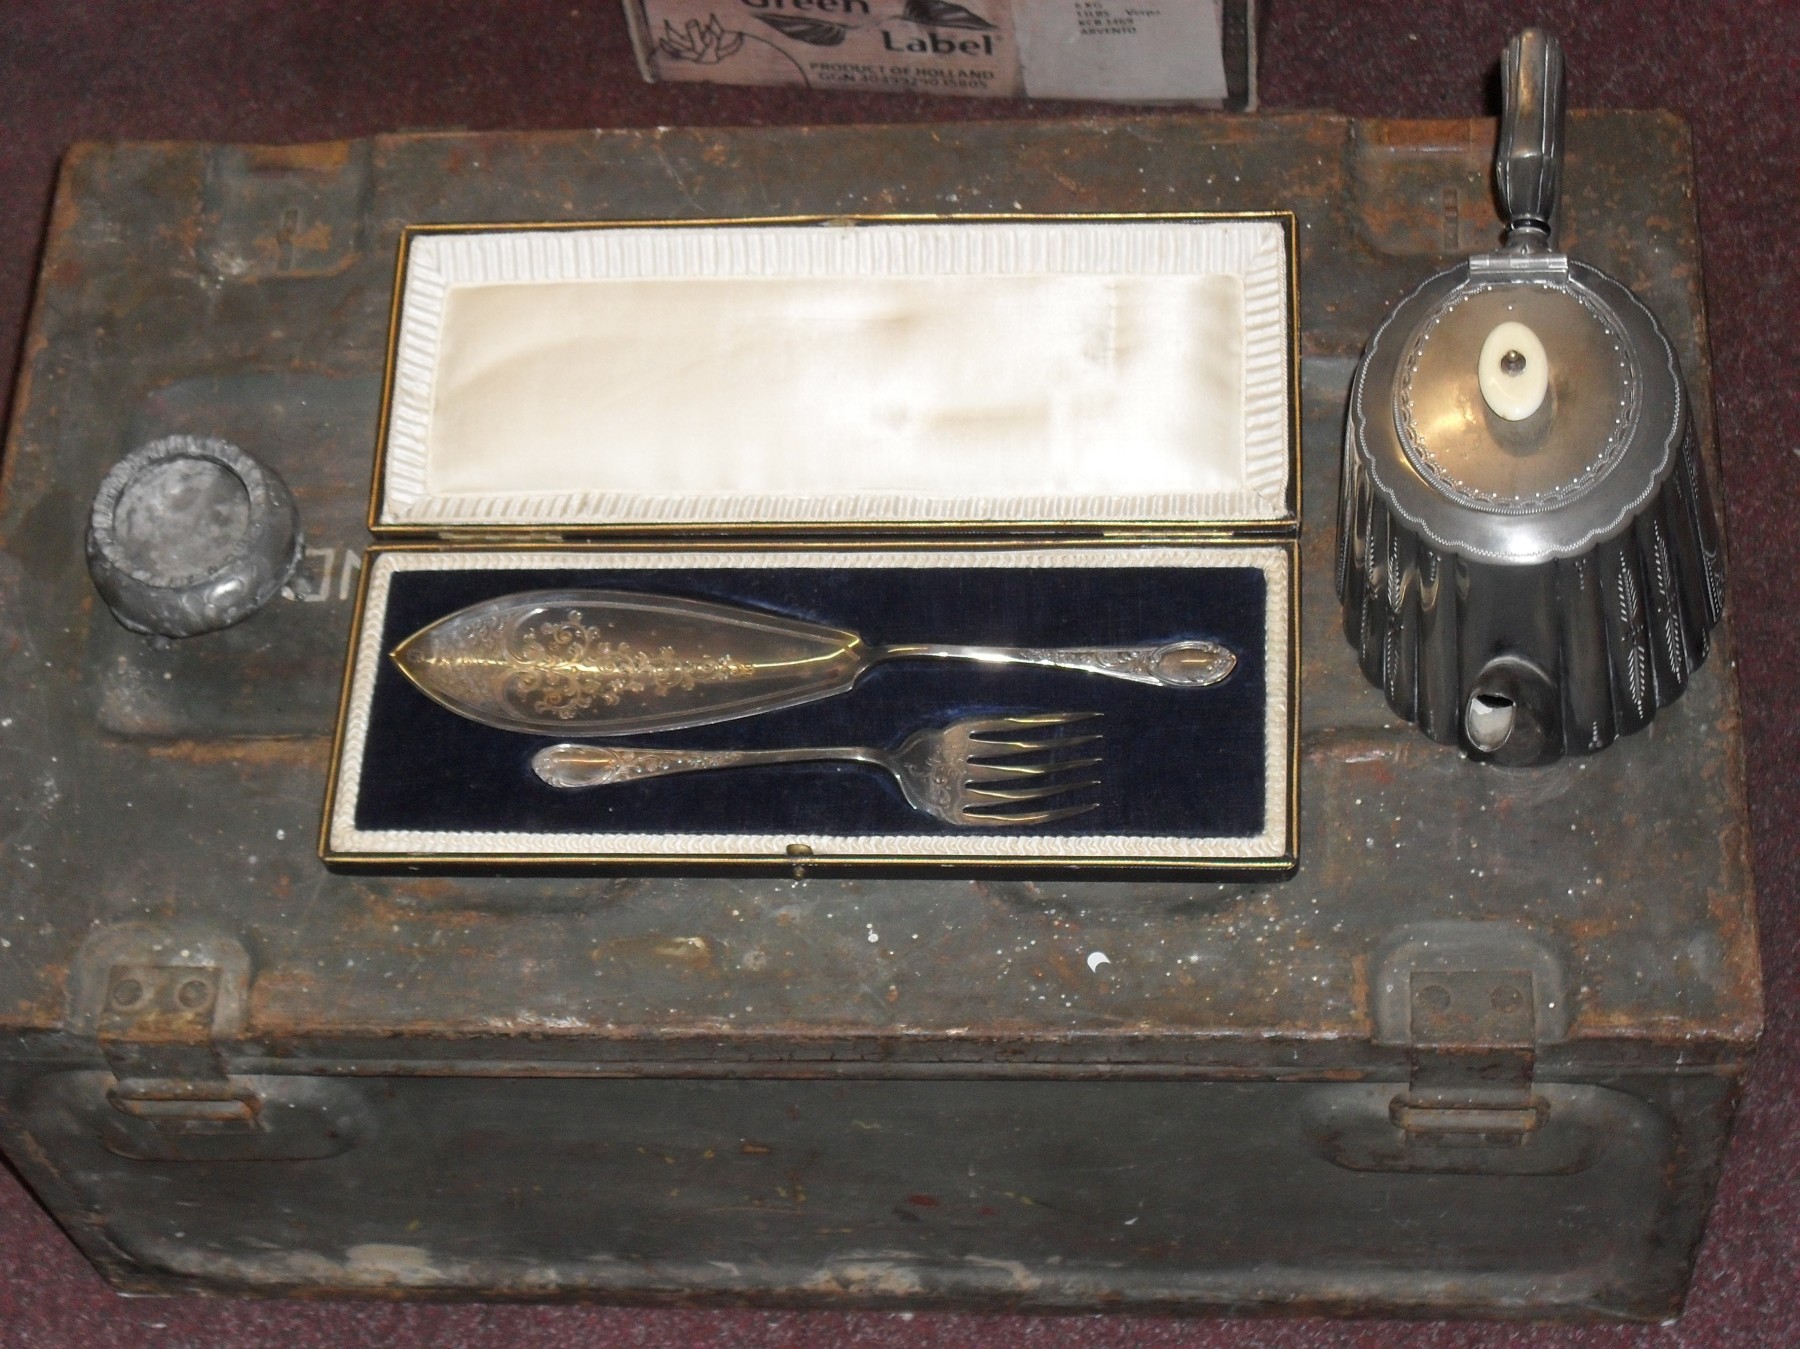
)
(290, 70)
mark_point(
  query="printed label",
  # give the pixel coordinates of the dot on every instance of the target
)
(1147, 51)
(1100, 49)
(911, 46)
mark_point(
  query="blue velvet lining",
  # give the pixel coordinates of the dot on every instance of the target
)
(1178, 762)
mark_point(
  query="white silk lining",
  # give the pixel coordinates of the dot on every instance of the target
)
(1067, 371)
(1081, 385)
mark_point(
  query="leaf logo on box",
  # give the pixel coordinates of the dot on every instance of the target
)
(705, 44)
(944, 14)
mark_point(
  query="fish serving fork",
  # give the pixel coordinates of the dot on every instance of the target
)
(973, 773)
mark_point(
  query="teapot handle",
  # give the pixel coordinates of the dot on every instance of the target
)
(1528, 164)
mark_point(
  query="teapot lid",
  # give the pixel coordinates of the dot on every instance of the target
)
(1521, 406)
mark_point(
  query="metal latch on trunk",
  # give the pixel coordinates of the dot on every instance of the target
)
(156, 1030)
(1471, 1004)
(1472, 1047)
(163, 1002)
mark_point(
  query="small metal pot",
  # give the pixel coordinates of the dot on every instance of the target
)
(1527, 558)
(190, 534)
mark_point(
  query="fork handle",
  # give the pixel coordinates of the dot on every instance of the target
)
(573, 765)
(1173, 665)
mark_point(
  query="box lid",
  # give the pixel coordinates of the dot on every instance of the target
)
(1072, 373)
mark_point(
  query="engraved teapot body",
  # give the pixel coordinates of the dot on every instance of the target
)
(1527, 561)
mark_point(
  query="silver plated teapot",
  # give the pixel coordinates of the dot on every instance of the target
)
(1527, 558)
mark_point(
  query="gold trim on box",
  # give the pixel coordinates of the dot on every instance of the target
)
(1012, 531)
(803, 862)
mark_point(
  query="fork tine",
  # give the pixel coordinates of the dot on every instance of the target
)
(1022, 720)
(1032, 817)
(1027, 793)
(980, 771)
(988, 749)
